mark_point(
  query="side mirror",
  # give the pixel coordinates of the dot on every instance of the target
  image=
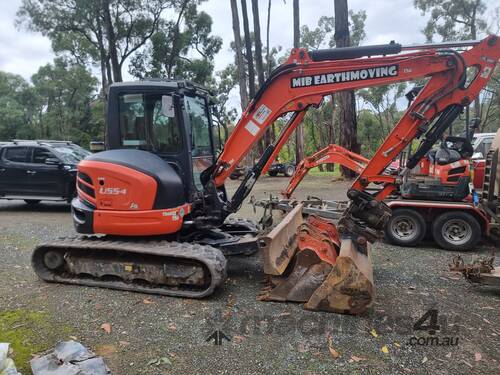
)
(477, 156)
(167, 106)
(52, 161)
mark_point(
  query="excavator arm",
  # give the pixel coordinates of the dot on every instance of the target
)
(331, 154)
(307, 77)
(332, 270)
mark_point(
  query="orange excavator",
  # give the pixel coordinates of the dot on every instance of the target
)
(157, 194)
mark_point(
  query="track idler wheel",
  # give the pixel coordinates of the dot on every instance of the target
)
(53, 259)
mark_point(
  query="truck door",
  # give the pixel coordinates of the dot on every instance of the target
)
(14, 176)
(46, 179)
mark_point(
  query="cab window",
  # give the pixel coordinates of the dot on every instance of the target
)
(41, 154)
(144, 126)
(16, 154)
(200, 128)
(201, 143)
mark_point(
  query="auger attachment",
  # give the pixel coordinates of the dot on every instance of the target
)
(306, 261)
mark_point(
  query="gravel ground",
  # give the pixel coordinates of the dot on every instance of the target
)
(162, 335)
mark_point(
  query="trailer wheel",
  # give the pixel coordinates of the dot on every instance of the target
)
(405, 228)
(289, 171)
(456, 230)
(272, 174)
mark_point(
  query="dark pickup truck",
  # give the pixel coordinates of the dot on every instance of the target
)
(39, 170)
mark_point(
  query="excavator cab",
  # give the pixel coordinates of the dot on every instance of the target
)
(159, 139)
(167, 118)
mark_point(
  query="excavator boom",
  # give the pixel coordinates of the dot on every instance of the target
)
(331, 154)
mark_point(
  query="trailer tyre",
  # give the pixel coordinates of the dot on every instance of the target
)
(456, 231)
(406, 227)
(272, 174)
(289, 171)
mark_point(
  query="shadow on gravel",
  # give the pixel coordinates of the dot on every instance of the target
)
(20, 206)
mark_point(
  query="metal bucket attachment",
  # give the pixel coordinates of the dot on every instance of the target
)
(280, 245)
(316, 275)
(307, 273)
(348, 289)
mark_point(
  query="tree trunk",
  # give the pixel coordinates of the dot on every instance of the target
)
(259, 65)
(240, 65)
(267, 38)
(346, 99)
(113, 52)
(248, 49)
(299, 131)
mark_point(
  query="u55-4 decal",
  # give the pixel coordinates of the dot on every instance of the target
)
(112, 191)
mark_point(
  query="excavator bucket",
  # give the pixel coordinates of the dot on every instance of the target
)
(279, 246)
(323, 272)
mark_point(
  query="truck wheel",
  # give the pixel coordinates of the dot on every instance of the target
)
(456, 230)
(272, 174)
(32, 201)
(405, 228)
(289, 171)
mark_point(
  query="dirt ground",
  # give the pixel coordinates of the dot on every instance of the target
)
(162, 335)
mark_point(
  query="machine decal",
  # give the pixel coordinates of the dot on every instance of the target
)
(112, 191)
(347, 76)
(252, 128)
(262, 114)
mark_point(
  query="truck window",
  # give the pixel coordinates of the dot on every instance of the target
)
(143, 126)
(41, 154)
(16, 154)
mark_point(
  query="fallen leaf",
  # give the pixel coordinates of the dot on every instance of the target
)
(98, 306)
(424, 360)
(374, 333)
(172, 327)
(302, 348)
(385, 350)
(106, 327)
(478, 356)
(357, 359)
(397, 344)
(159, 361)
(237, 339)
(284, 314)
(73, 338)
(448, 355)
(147, 301)
(335, 354)
(124, 343)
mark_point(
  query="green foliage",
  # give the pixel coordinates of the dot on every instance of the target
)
(14, 100)
(453, 19)
(58, 104)
(171, 50)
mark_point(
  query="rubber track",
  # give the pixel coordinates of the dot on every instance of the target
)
(212, 258)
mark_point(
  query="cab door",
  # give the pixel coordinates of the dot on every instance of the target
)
(46, 179)
(14, 176)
